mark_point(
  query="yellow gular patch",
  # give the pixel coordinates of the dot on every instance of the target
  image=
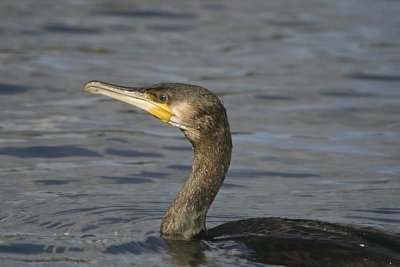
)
(161, 111)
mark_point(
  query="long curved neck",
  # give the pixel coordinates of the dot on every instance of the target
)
(186, 216)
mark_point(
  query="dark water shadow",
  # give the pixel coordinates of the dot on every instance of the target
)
(231, 185)
(373, 77)
(178, 148)
(347, 94)
(182, 253)
(89, 227)
(142, 177)
(48, 152)
(114, 220)
(180, 167)
(146, 14)
(118, 140)
(369, 218)
(131, 153)
(49, 182)
(187, 253)
(170, 28)
(100, 210)
(68, 29)
(147, 174)
(256, 174)
(151, 244)
(274, 97)
(55, 225)
(12, 89)
(289, 23)
(35, 249)
(127, 180)
(90, 210)
(380, 211)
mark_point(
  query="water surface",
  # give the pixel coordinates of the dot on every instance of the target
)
(311, 90)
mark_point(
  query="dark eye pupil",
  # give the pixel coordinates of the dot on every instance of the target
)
(162, 98)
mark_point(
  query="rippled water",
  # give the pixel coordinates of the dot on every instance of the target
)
(312, 92)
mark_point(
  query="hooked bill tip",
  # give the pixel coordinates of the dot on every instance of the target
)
(91, 87)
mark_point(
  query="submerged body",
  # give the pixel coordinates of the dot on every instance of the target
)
(202, 118)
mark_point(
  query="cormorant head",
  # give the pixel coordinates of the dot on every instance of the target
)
(193, 109)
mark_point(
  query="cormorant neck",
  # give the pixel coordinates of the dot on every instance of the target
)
(186, 215)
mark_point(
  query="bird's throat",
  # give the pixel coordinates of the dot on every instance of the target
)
(186, 215)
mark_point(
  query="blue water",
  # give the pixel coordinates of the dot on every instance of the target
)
(312, 93)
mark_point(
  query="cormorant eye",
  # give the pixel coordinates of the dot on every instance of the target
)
(163, 98)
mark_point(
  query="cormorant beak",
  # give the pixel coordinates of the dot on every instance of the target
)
(135, 96)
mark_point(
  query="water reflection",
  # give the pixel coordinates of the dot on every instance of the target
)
(48, 152)
(10, 89)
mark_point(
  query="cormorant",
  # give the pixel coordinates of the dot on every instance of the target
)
(201, 116)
